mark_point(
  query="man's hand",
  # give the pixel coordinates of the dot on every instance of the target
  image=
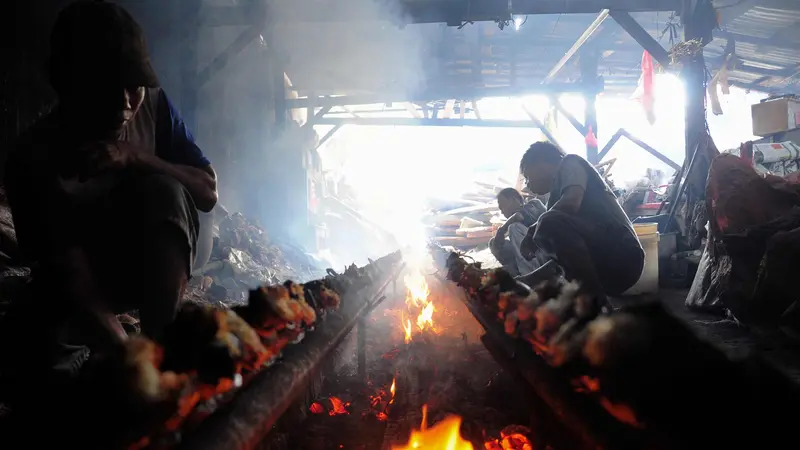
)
(527, 247)
(500, 234)
(110, 156)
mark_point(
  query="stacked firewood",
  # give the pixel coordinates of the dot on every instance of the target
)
(644, 366)
(153, 388)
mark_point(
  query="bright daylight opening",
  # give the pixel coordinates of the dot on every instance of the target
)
(396, 175)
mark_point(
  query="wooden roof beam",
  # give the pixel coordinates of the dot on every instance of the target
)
(448, 92)
(430, 122)
(640, 35)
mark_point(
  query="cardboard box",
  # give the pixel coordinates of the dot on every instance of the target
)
(775, 116)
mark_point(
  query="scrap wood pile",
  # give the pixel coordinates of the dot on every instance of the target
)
(642, 365)
(469, 221)
(244, 256)
(146, 394)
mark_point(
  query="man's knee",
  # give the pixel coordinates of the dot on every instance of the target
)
(553, 229)
(157, 185)
(552, 223)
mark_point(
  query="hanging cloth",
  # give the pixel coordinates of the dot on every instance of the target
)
(648, 81)
(591, 139)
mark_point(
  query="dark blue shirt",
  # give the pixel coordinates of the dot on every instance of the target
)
(174, 141)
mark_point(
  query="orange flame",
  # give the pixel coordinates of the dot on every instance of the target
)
(338, 407)
(418, 303)
(442, 436)
(393, 389)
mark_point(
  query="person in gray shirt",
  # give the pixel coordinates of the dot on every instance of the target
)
(506, 243)
(584, 230)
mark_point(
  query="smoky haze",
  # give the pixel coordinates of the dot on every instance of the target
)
(369, 53)
(373, 53)
(256, 162)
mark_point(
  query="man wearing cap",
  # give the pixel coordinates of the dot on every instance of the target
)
(105, 189)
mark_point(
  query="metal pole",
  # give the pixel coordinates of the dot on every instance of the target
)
(673, 208)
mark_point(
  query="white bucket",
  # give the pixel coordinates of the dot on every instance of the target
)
(648, 281)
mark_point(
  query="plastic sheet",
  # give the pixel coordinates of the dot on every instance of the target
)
(754, 224)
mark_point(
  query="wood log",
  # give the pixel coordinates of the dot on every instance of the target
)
(462, 242)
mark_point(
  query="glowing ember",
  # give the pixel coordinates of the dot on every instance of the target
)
(442, 436)
(317, 408)
(339, 407)
(513, 441)
(418, 303)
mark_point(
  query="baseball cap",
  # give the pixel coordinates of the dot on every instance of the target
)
(98, 42)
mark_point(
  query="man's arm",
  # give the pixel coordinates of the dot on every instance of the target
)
(201, 182)
(179, 156)
(570, 201)
(515, 218)
(572, 178)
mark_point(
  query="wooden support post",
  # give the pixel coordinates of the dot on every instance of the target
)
(590, 58)
(694, 80)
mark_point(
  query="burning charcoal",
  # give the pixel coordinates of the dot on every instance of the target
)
(147, 382)
(299, 304)
(614, 339)
(199, 341)
(507, 303)
(268, 307)
(253, 347)
(515, 437)
(329, 298)
(323, 295)
(130, 394)
(510, 324)
(567, 344)
(554, 313)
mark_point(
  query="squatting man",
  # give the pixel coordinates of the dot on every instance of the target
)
(584, 231)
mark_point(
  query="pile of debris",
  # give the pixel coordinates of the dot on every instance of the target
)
(471, 220)
(243, 257)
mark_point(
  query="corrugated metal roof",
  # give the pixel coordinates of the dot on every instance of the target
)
(481, 55)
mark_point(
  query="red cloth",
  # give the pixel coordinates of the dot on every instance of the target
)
(648, 95)
(591, 139)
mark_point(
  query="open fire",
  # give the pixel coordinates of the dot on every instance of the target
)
(445, 435)
(431, 363)
(418, 305)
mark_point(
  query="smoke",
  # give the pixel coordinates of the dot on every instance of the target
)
(366, 51)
